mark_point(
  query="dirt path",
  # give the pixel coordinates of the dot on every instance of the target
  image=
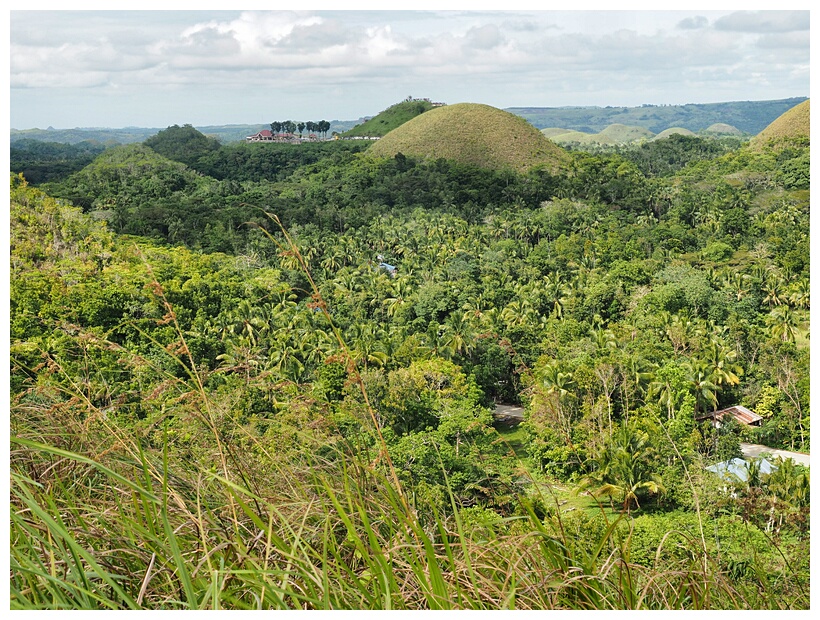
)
(509, 414)
(753, 450)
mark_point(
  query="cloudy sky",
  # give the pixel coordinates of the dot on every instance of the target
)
(212, 67)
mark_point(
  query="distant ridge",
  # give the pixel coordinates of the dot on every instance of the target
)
(472, 133)
(750, 117)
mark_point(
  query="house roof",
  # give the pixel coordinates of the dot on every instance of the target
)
(738, 412)
(739, 468)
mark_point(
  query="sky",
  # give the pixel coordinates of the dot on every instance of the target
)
(155, 68)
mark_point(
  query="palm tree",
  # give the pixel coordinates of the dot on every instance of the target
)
(773, 287)
(738, 283)
(366, 344)
(800, 296)
(458, 335)
(604, 339)
(783, 324)
(636, 373)
(250, 321)
(789, 483)
(284, 359)
(557, 291)
(625, 467)
(699, 377)
(398, 296)
(517, 312)
(556, 385)
(725, 371)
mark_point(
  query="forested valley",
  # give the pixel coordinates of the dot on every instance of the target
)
(264, 376)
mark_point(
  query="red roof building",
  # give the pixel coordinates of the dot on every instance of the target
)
(263, 136)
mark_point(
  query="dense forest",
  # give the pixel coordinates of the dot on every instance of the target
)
(264, 375)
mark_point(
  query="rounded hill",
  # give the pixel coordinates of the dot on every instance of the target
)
(551, 132)
(790, 128)
(672, 131)
(613, 134)
(473, 133)
(623, 134)
(722, 129)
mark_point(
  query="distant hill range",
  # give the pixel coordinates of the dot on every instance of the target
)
(127, 135)
(750, 117)
(617, 134)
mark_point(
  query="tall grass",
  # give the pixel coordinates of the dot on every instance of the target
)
(139, 533)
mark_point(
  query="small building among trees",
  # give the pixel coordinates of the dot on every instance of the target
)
(738, 412)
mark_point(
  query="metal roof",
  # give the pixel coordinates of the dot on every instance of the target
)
(738, 412)
(739, 468)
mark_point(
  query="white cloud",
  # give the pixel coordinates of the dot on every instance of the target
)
(693, 23)
(764, 21)
(351, 62)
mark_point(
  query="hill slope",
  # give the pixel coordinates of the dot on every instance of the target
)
(472, 133)
(672, 131)
(721, 129)
(387, 120)
(791, 127)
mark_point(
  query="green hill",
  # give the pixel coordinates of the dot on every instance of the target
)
(575, 137)
(673, 131)
(611, 135)
(622, 134)
(791, 127)
(472, 133)
(387, 120)
(183, 144)
(551, 132)
(721, 129)
(131, 173)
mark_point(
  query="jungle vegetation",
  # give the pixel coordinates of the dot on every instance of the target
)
(220, 398)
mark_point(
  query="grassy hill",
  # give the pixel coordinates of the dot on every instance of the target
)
(575, 137)
(673, 131)
(387, 120)
(620, 134)
(722, 129)
(551, 132)
(613, 134)
(472, 133)
(791, 127)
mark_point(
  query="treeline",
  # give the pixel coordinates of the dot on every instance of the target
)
(321, 127)
(41, 162)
